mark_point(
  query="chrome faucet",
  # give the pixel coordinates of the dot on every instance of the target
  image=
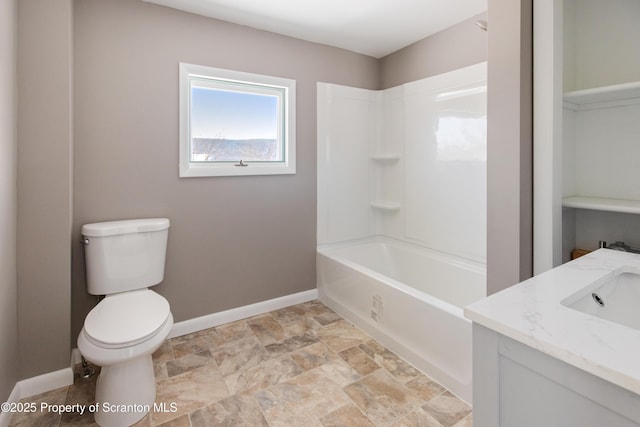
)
(622, 246)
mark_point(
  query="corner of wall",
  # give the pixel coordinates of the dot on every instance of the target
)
(8, 200)
(455, 47)
(43, 200)
(509, 173)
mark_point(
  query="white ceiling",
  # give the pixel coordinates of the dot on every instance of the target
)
(372, 27)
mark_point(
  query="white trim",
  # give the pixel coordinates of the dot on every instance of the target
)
(14, 397)
(64, 377)
(547, 132)
(76, 357)
(287, 131)
(45, 382)
(36, 385)
(40, 384)
(210, 320)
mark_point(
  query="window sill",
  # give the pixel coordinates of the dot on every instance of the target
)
(193, 170)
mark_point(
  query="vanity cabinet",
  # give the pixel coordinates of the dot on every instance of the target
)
(516, 385)
(542, 356)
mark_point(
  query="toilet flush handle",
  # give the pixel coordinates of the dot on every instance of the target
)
(84, 241)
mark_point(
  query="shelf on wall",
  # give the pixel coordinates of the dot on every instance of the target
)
(388, 158)
(602, 204)
(621, 94)
(386, 205)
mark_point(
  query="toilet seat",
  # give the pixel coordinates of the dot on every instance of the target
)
(126, 319)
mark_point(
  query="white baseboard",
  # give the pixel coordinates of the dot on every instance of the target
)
(45, 382)
(210, 320)
(76, 357)
(14, 397)
(36, 385)
(64, 377)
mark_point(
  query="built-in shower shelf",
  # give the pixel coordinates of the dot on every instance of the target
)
(385, 205)
(385, 158)
(604, 96)
(602, 204)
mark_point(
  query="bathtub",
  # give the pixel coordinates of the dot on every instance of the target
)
(410, 299)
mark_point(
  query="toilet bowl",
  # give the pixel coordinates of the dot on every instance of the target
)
(126, 380)
(120, 334)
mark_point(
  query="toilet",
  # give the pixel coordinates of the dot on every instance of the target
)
(123, 259)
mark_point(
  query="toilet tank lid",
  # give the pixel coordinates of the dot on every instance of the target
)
(127, 226)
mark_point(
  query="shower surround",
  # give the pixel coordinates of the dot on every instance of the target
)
(402, 214)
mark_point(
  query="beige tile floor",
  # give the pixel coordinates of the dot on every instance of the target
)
(298, 366)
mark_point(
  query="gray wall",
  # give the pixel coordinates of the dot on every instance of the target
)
(458, 46)
(233, 240)
(8, 201)
(509, 144)
(125, 160)
(44, 184)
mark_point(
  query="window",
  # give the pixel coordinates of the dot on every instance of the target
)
(235, 123)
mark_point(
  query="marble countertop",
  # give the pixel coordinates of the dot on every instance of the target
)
(531, 313)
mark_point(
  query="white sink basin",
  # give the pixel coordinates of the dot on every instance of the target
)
(615, 297)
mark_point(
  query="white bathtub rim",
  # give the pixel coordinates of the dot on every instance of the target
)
(402, 287)
(421, 296)
(473, 265)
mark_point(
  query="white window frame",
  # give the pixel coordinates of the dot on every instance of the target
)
(215, 77)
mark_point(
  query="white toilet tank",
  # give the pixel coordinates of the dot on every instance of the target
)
(124, 255)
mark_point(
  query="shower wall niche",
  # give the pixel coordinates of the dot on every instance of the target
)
(407, 162)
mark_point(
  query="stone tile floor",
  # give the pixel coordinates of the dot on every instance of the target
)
(298, 366)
